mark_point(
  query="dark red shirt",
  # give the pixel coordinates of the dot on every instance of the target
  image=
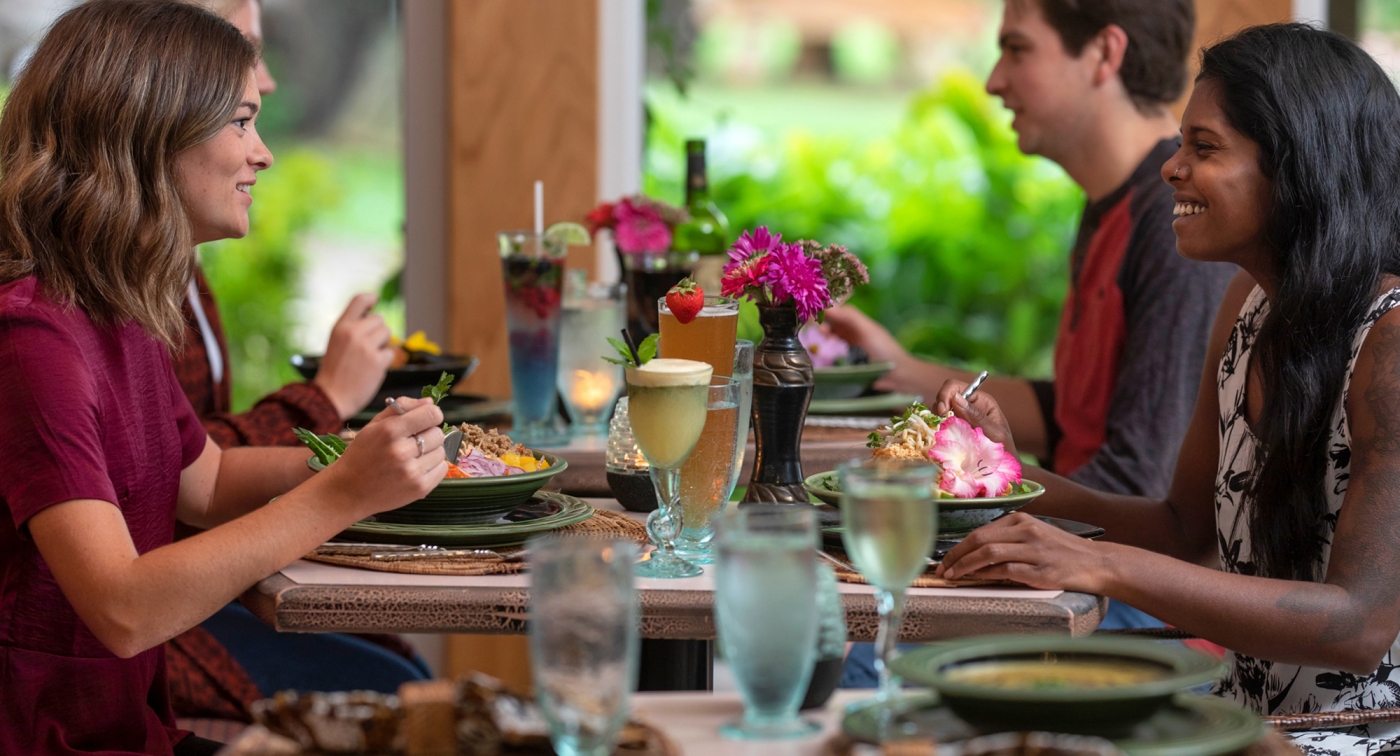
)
(86, 412)
(1131, 341)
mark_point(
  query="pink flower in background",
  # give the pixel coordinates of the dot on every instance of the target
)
(640, 228)
(792, 275)
(825, 347)
(973, 465)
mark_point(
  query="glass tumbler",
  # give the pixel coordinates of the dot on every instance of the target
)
(533, 267)
(703, 497)
(766, 615)
(588, 383)
(583, 639)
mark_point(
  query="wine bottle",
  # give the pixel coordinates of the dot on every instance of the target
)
(705, 237)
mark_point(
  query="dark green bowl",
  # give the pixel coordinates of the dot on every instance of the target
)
(1110, 711)
(847, 381)
(956, 517)
(471, 501)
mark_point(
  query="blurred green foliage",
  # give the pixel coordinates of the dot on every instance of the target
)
(967, 239)
(255, 278)
(1380, 15)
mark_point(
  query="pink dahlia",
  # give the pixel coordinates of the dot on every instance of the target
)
(740, 276)
(792, 275)
(973, 465)
(748, 245)
(640, 228)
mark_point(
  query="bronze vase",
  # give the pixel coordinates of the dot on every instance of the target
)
(782, 389)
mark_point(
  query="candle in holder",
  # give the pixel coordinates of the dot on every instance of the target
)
(588, 383)
(629, 475)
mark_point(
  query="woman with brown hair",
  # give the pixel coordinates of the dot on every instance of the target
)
(129, 138)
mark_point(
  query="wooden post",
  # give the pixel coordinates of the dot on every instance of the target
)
(523, 92)
(522, 105)
(1218, 19)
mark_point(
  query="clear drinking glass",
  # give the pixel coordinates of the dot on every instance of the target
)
(533, 266)
(588, 383)
(766, 615)
(583, 639)
(890, 521)
(704, 496)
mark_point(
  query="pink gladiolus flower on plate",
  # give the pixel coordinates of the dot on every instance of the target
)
(973, 465)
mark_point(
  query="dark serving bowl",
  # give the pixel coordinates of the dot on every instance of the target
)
(410, 378)
(1109, 709)
(470, 501)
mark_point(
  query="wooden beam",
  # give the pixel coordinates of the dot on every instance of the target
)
(523, 91)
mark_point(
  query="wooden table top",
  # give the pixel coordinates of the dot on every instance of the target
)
(314, 597)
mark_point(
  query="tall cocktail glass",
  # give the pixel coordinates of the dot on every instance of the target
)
(890, 521)
(534, 278)
(708, 338)
(583, 639)
(667, 402)
(588, 383)
(703, 493)
(766, 615)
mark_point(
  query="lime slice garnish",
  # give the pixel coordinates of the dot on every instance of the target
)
(568, 233)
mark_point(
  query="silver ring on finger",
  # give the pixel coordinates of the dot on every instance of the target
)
(420, 444)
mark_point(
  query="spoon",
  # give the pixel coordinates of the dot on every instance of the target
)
(451, 444)
(976, 384)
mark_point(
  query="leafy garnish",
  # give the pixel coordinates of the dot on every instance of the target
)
(327, 448)
(440, 390)
(645, 351)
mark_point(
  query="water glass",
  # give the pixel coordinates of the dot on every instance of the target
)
(766, 615)
(890, 521)
(533, 266)
(588, 383)
(703, 493)
(584, 619)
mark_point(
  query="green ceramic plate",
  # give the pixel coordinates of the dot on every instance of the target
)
(1106, 710)
(847, 381)
(955, 516)
(876, 404)
(471, 501)
(1189, 726)
(544, 512)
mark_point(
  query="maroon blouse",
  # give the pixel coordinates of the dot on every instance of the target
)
(86, 412)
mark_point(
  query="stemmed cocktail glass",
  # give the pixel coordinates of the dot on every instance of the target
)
(668, 403)
(890, 521)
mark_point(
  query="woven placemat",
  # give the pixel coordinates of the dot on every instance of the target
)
(927, 580)
(1274, 743)
(603, 524)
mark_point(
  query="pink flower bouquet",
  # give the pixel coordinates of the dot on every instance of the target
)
(767, 271)
(639, 224)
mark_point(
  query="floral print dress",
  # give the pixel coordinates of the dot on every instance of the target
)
(1270, 687)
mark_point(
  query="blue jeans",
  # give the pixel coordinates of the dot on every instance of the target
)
(859, 671)
(309, 661)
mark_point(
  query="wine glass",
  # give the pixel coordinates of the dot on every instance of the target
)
(890, 521)
(709, 475)
(766, 615)
(583, 639)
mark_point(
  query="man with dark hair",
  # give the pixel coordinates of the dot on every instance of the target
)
(1090, 83)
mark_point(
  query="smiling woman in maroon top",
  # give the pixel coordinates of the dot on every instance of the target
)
(129, 138)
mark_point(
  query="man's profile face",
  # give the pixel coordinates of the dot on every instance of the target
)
(1037, 80)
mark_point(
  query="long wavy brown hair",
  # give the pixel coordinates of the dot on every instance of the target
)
(89, 202)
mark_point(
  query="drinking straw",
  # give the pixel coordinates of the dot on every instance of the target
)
(632, 345)
(539, 208)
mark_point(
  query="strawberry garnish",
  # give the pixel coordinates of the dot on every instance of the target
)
(685, 300)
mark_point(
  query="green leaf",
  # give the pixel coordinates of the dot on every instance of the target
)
(647, 349)
(624, 363)
(437, 392)
(323, 450)
(622, 350)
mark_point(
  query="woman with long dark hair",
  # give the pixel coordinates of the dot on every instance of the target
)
(129, 138)
(1290, 473)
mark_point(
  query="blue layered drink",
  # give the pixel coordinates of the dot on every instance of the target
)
(534, 279)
